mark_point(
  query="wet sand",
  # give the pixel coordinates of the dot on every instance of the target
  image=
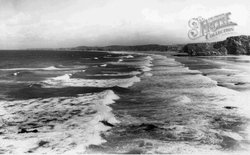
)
(229, 71)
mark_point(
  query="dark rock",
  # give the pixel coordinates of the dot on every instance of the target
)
(30, 151)
(177, 47)
(239, 83)
(229, 107)
(42, 143)
(23, 131)
(35, 131)
(26, 131)
(204, 49)
(107, 123)
(236, 45)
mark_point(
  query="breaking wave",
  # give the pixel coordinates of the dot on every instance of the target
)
(65, 123)
(66, 81)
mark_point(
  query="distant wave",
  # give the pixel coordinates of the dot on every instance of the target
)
(129, 56)
(146, 61)
(143, 64)
(16, 73)
(104, 65)
(66, 81)
(119, 74)
(46, 68)
(51, 68)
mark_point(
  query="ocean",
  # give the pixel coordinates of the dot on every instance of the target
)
(122, 102)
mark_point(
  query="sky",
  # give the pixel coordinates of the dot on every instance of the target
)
(71, 23)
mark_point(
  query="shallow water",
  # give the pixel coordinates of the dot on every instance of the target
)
(146, 103)
(177, 110)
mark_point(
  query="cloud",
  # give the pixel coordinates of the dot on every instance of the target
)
(154, 16)
(60, 23)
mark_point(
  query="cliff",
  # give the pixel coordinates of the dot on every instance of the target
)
(236, 45)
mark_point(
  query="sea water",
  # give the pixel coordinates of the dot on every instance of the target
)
(122, 102)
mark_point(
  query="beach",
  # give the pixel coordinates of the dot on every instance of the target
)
(126, 102)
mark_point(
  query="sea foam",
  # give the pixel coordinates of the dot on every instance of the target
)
(64, 124)
(66, 81)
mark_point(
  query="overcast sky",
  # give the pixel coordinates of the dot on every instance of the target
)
(69, 23)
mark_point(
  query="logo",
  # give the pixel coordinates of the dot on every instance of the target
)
(210, 28)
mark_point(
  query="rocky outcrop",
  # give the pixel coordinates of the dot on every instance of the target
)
(176, 47)
(236, 45)
(204, 49)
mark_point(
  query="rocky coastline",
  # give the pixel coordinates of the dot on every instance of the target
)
(236, 45)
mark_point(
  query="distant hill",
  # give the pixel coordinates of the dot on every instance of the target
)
(151, 47)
